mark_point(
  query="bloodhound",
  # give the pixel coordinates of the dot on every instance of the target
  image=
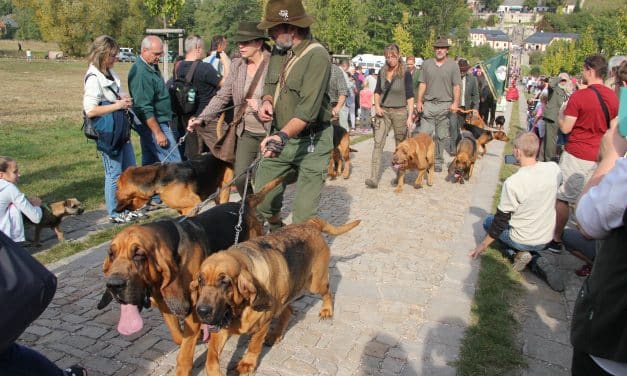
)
(341, 153)
(414, 153)
(241, 289)
(181, 185)
(464, 162)
(154, 264)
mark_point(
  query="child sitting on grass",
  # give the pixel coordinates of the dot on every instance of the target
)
(13, 202)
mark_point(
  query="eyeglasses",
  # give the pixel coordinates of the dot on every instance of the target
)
(159, 53)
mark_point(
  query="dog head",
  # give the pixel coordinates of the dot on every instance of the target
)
(499, 121)
(142, 262)
(71, 206)
(135, 187)
(459, 167)
(500, 135)
(224, 287)
(402, 157)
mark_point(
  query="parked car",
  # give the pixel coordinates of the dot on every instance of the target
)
(126, 57)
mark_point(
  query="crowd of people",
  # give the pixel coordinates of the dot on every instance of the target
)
(571, 152)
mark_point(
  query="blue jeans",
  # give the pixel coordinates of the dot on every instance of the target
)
(504, 237)
(113, 168)
(151, 151)
(19, 360)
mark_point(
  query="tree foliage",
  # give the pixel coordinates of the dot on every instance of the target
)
(335, 25)
(221, 17)
(167, 10)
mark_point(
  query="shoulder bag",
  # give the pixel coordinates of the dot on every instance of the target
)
(89, 130)
(26, 289)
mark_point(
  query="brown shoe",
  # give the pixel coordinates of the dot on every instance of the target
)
(521, 260)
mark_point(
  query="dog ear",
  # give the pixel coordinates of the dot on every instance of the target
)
(172, 290)
(252, 291)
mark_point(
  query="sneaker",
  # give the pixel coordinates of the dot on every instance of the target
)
(121, 219)
(138, 214)
(550, 273)
(371, 184)
(75, 370)
(555, 247)
(521, 259)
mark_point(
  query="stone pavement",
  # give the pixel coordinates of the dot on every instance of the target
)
(402, 284)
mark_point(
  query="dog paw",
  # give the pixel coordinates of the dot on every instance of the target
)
(398, 190)
(417, 186)
(245, 367)
(325, 313)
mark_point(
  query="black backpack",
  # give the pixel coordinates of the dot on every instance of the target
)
(183, 94)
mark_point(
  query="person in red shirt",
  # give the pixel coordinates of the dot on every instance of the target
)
(588, 115)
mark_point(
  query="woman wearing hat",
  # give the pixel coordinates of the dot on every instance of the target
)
(251, 130)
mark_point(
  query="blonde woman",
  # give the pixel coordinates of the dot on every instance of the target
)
(102, 97)
(394, 105)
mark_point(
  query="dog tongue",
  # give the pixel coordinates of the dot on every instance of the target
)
(130, 320)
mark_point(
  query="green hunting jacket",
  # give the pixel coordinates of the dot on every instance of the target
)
(304, 94)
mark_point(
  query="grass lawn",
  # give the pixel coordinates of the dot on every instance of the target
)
(489, 346)
(40, 124)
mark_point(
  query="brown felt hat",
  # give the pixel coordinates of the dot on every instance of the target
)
(290, 12)
(441, 42)
(247, 31)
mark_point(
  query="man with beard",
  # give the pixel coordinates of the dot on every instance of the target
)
(438, 95)
(295, 99)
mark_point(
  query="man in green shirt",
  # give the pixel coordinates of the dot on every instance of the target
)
(438, 96)
(296, 101)
(151, 104)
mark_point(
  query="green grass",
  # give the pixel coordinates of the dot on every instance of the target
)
(489, 346)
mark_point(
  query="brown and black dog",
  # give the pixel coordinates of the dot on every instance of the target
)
(153, 264)
(242, 289)
(482, 133)
(181, 185)
(464, 162)
(51, 216)
(414, 153)
(341, 153)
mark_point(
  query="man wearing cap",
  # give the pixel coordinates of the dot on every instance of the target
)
(557, 94)
(295, 99)
(469, 100)
(438, 95)
(206, 82)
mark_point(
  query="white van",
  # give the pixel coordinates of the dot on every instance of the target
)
(126, 50)
(369, 61)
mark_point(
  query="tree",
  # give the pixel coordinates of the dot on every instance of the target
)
(492, 5)
(168, 10)
(27, 27)
(335, 26)
(586, 45)
(382, 16)
(402, 37)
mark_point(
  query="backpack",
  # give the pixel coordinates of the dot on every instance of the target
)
(183, 94)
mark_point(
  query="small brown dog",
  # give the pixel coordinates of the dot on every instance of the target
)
(415, 153)
(340, 162)
(51, 216)
(462, 165)
(242, 289)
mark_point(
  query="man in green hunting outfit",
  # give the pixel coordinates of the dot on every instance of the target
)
(296, 101)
